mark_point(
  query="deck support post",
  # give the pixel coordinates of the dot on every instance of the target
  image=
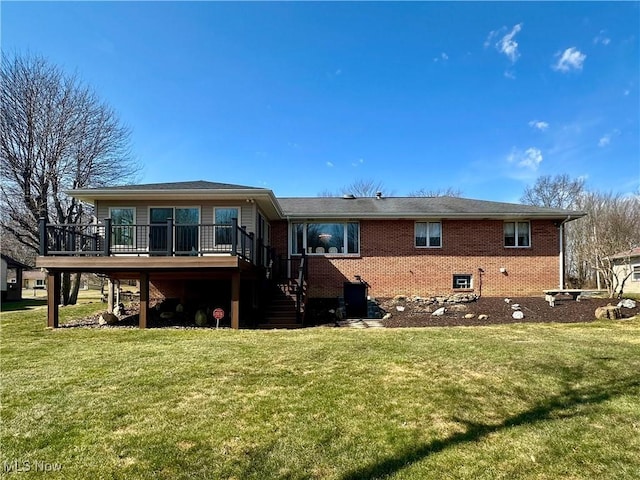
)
(110, 291)
(144, 299)
(235, 300)
(53, 298)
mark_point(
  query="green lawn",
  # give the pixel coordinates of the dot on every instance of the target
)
(516, 401)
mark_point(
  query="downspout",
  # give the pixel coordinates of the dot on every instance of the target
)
(562, 255)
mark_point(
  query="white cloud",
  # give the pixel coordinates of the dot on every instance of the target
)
(443, 56)
(507, 44)
(570, 59)
(329, 164)
(539, 125)
(530, 159)
(510, 74)
(359, 162)
(602, 38)
(605, 140)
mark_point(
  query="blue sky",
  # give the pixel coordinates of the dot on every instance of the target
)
(308, 97)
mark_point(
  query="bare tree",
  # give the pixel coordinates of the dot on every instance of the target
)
(612, 225)
(55, 134)
(438, 192)
(560, 191)
(359, 188)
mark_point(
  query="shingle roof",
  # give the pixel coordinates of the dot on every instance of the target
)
(193, 185)
(412, 207)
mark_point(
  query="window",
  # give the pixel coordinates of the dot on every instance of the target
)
(122, 221)
(39, 282)
(185, 233)
(428, 234)
(517, 234)
(223, 220)
(187, 220)
(635, 276)
(332, 238)
(462, 282)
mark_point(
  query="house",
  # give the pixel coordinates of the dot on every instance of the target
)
(626, 265)
(34, 279)
(243, 250)
(11, 278)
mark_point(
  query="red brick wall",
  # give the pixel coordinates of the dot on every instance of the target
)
(391, 264)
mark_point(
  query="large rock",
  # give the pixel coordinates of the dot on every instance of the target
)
(608, 312)
(107, 319)
(627, 303)
(439, 312)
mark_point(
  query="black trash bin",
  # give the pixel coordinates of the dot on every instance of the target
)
(355, 299)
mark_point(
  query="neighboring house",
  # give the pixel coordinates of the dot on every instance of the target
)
(229, 245)
(11, 278)
(627, 264)
(34, 279)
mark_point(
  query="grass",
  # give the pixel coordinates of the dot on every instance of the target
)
(515, 401)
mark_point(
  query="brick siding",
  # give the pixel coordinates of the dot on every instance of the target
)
(390, 263)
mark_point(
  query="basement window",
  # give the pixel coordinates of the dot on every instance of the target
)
(462, 282)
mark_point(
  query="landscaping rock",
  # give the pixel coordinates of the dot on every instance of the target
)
(518, 315)
(201, 318)
(119, 310)
(469, 316)
(387, 316)
(483, 317)
(107, 319)
(627, 303)
(439, 312)
(400, 308)
(608, 312)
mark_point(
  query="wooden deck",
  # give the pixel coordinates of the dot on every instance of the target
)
(125, 263)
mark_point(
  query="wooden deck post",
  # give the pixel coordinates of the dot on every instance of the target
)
(144, 299)
(235, 300)
(110, 289)
(53, 298)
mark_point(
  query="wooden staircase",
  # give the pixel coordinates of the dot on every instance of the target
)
(281, 312)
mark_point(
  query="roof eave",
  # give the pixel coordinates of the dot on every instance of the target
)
(458, 216)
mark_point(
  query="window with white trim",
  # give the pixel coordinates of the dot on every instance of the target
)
(462, 282)
(517, 234)
(635, 275)
(428, 234)
(123, 220)
(325, 238)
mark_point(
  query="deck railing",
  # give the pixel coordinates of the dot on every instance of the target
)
(159, 239)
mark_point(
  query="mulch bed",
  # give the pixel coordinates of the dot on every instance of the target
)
(535, 309)
(418, 313)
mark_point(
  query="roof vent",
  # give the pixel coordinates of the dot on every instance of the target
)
(348, 196)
